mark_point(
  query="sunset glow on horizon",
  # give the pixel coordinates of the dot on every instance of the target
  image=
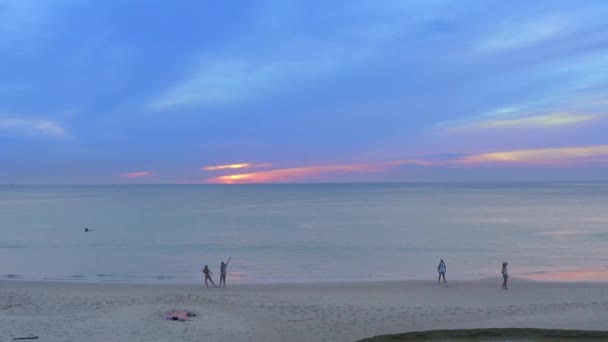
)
(563, 156)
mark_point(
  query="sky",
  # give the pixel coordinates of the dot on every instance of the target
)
(114, 91)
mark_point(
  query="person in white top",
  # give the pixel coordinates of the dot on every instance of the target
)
(441, 269)
(505, 275)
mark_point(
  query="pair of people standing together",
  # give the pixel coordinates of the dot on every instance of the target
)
(208, 274)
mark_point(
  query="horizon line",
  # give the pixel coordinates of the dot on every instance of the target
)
(310, 183)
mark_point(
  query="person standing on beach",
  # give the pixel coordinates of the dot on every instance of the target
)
(441, 269)
(208, 275)
(223, 268)
(505, 275)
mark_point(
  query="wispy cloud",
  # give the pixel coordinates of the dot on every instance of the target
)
(225, 79)
(233, 166)
(558, 156)
(31, 127)
(137, 174)
(311, 172)
(26, 19)
(544, 120)
(543, 156)
(217, 82)
(234, 76)
(521, 35)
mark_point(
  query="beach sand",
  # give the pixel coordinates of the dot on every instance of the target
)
(325, 312)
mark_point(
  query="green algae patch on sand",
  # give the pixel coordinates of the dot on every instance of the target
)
(496, 334)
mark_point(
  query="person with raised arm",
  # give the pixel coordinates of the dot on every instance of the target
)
(223, 268)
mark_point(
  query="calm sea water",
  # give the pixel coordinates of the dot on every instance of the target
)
(300, 233)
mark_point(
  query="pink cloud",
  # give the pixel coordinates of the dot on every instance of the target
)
(233, 166)
(135, 175)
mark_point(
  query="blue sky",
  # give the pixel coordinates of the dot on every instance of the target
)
(295, 91)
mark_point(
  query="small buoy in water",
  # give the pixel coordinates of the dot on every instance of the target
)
(86, 229)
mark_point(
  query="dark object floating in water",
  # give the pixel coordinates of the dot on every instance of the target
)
(26, 338)
(495, 334)
(86, 229)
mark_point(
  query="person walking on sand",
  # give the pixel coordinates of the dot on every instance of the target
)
(441, 269)
(505, 275)
(223, 268)
(208, 275)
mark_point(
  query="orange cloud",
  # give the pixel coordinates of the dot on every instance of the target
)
(232, 166)
(296, 173)
(288, 174)
(134, 175)
(559, 155)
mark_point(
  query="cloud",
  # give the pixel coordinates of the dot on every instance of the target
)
(24, 20)
(539, 121)
(530, 157)
(237, 75)
(32, 127)
(135, 175)
(310, 172)
(217, 82)
(521, 35)
(290, 174)
(233, 166)
(543, 156)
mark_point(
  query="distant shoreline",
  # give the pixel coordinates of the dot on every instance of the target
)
(521, 279)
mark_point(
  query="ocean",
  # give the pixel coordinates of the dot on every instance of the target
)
(301, 232)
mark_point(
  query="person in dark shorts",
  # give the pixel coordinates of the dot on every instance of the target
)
(208, 275)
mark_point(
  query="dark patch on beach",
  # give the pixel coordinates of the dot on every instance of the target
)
(496, 334)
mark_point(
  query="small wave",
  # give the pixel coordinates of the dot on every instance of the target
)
(14, 276)
(11, 246)
(78, 276)
(164, 277)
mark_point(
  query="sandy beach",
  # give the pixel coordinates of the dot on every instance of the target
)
(323, 312)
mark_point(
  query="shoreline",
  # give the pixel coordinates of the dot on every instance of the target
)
(64, 311)
(593, 276)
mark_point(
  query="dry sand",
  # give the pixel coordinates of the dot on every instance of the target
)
(328, 312)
